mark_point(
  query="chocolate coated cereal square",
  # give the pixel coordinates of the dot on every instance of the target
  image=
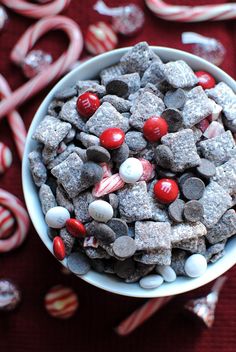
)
(81, 204)
(150, 235)
(186, 231)
(37, 168)
(179, 74)
(224, 228)
(159, 257)
(69, 113)
(226, 176)
(47, 198)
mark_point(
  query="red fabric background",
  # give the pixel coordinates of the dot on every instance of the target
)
(34, 268)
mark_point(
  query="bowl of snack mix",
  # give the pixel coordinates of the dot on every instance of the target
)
(129, 171)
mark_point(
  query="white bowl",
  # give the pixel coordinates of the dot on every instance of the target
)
(89, 70)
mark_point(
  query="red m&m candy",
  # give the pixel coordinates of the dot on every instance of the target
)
(59, 248)
(155, 128)
(166, 190)
(112, 138)
(87, 104)
(75, 228)
(205, 80)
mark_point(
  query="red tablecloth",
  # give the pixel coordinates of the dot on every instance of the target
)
(34, 268)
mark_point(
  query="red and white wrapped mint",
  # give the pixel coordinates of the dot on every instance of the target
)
(5, 158)
(148, 170)
(7, 222)
(61, 302)
(100, 38)
(106, 170)
(214, 129)
(203, 125)
(108, 185)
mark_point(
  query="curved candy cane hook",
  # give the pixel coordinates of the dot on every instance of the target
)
(28, 9)
(54, 71)
(192, 13)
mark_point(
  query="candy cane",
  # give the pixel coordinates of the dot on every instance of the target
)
(108, 185)
(14, 119)
(192, 13)
(12, 203)
(58, 68)
(140, 315)
(28, 9)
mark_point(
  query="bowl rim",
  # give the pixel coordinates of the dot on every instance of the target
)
(184, 284)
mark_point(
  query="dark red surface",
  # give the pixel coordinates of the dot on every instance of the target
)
(34, 268)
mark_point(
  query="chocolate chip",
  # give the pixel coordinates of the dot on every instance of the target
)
(78, 263)
(193, 188)
(176, 209)
(118, 226)
(91, 172)
(175, 99)
(119, 155)
(98, 154)
(124, 269)
(98, 265)
(105, 234)
(124, 247)
(173, 118)
(193, 211)
(117, 87)
(164, 156)
(184, 177)
(206, 169)
(135, 141)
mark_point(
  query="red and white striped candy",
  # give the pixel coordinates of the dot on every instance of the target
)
(90, 242)
(5, 158)
(141, 314)
(17, 209)
(7, 222)
(203, 125)
(108, 185)
(61, 302)
(214, 129)
(192, 13)
(106, 170)
(148, 170)
(100, 38)
(216, 111)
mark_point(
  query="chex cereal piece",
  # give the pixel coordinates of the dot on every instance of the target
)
(225, 176)
(197, 107)
(47, 198)
(215, 252)
(153, 74)
(125, 268)
(186, 231)
(146, 106)
(106, 116)
(179, 74)
(224, 228)
(68, 173)
(111, 72)
(159, 213)
(91, 86)
(150, 235)
(215, 202)
(69, 150)
(160, 257)
(135, 141)
(134, 202)
(54, 107)
(124, 85)
(183, 148)
(175, 99)
(37, 168)
(178, 259)
(189, 245)
(63, 200)
(201, 247)
(88, 140)
(69, 113)
(141, 270)
(218, 149)
(139, 58)
(48, 154)
(96, 253)
(51, 131)
(70, 136)
(119, 104)
(81, 204)
(223, 95)
(68, 240)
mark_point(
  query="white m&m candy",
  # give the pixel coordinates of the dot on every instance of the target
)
(131, 170)
(195, 265)
(166, 272)
(100, 210)
(5, 158)
(56, 217)
(151, 281)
